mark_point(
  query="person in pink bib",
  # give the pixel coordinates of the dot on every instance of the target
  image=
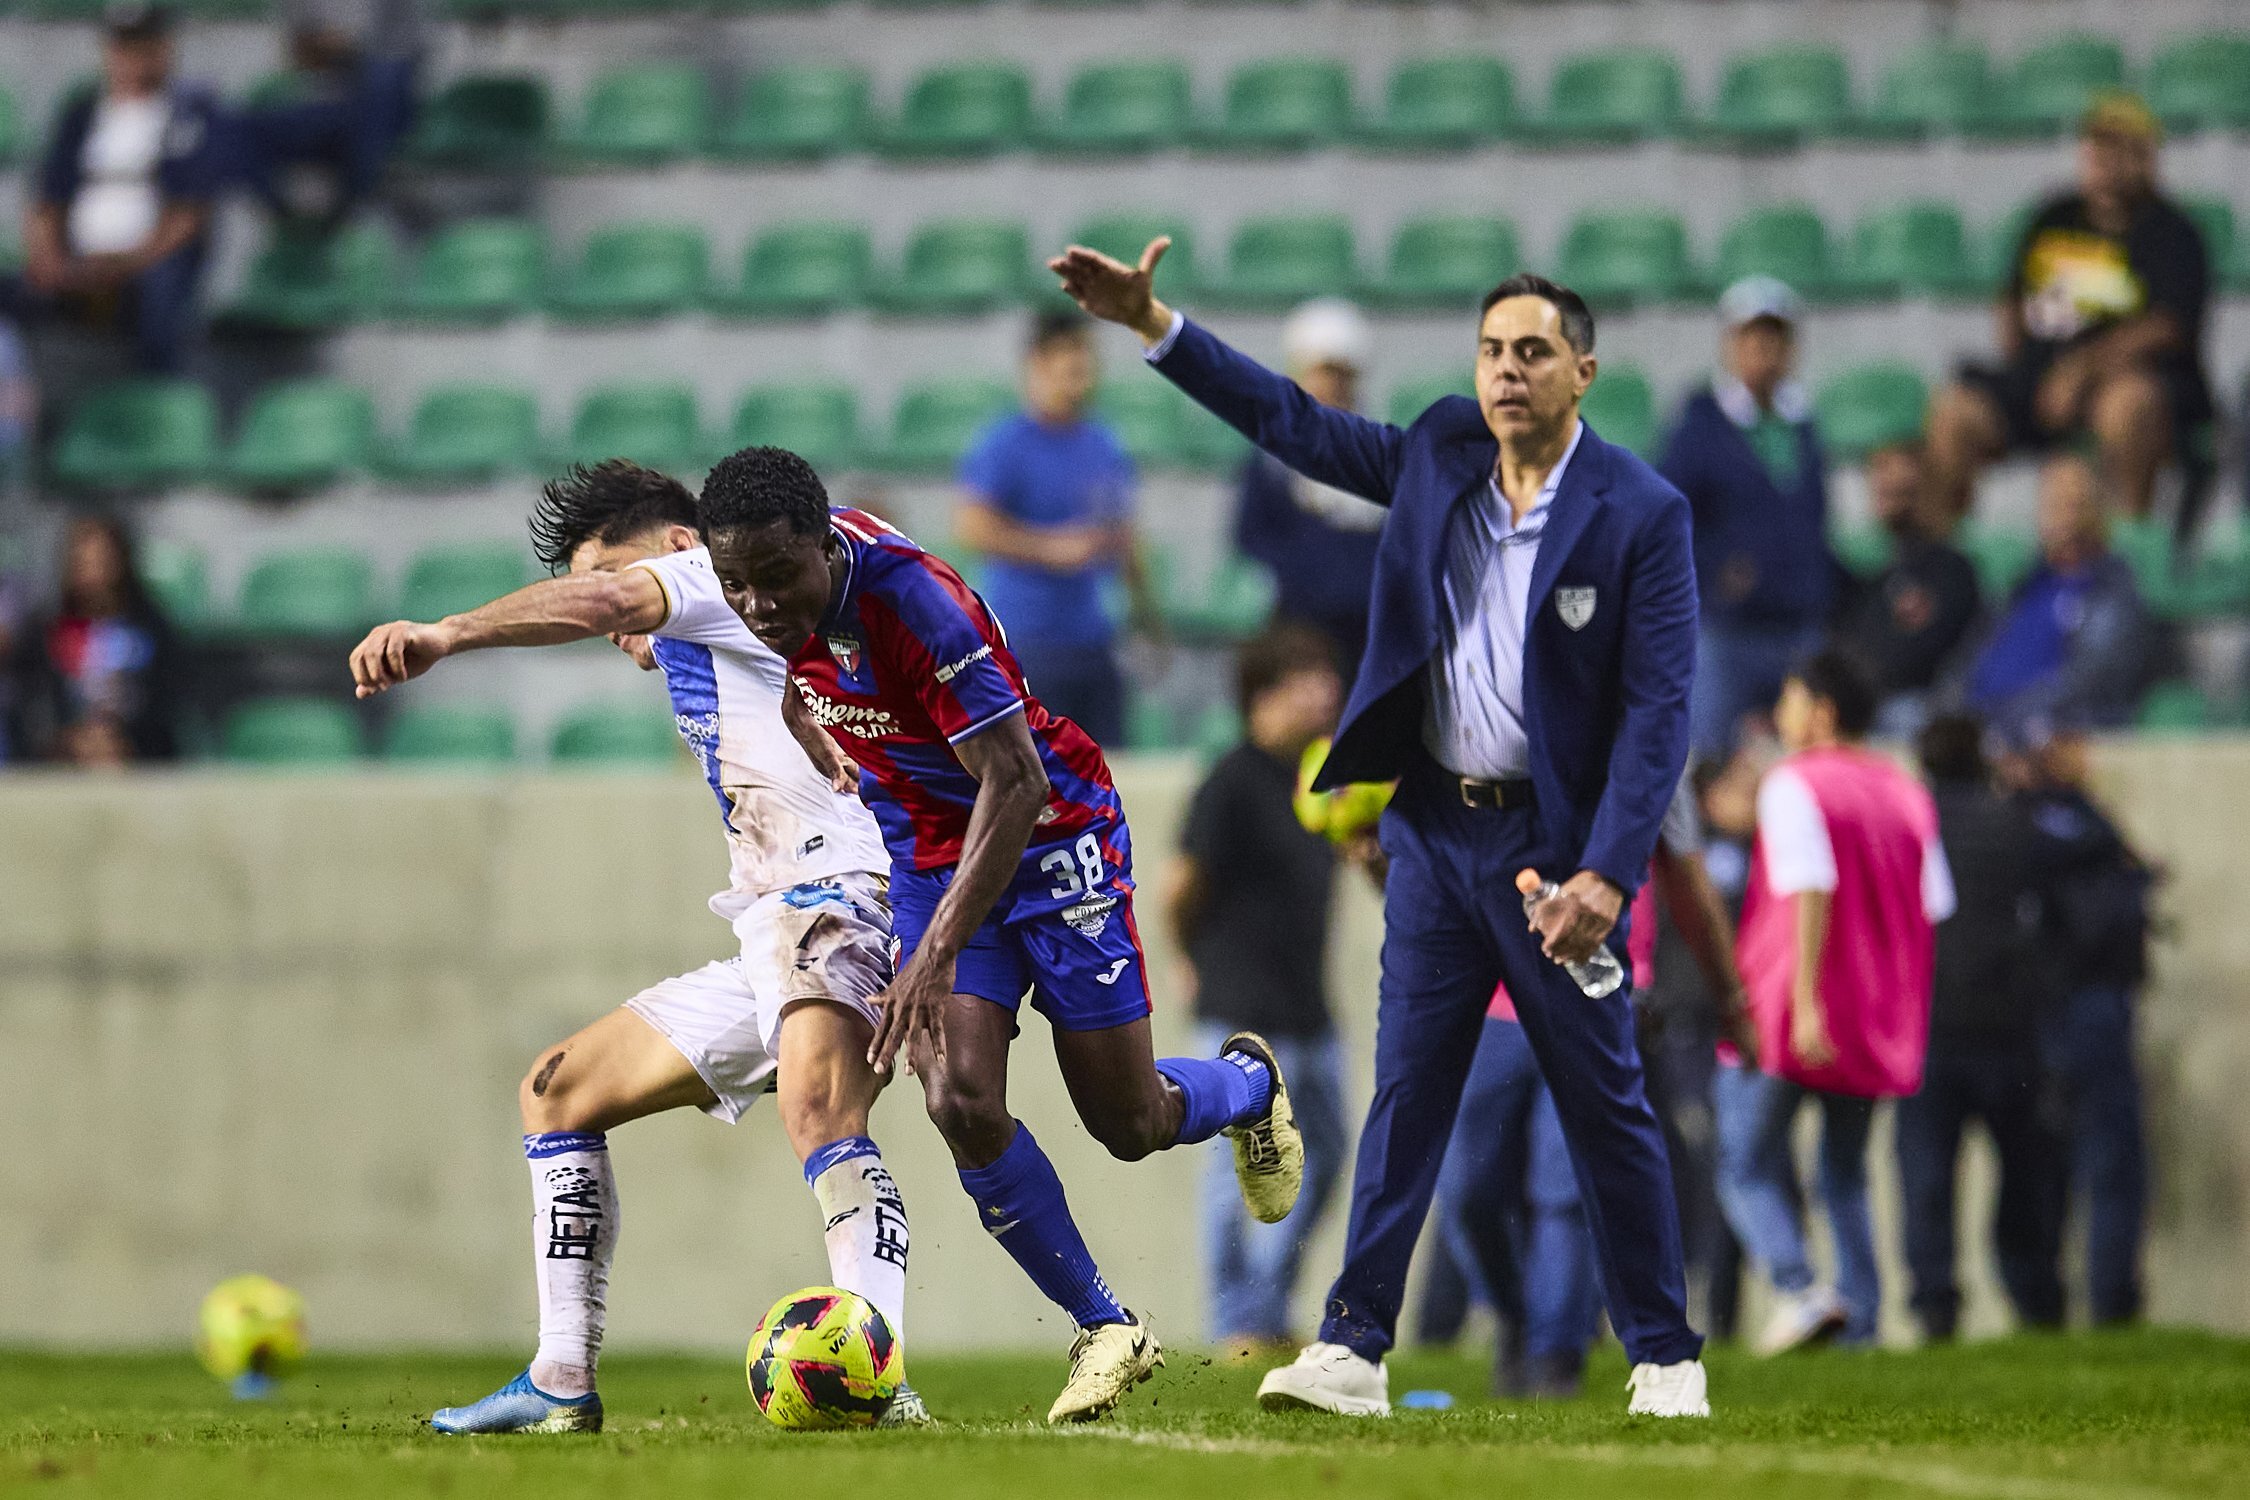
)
(1847, 883)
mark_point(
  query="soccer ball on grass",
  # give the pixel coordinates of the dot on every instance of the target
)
(822, 1358)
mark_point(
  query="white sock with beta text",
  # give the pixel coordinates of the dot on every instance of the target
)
(865, 1224)
(573, 1239)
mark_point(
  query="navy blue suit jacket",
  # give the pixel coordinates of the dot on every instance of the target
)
(1605, 699)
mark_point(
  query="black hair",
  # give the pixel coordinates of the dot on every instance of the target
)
(1276, 654)
(132, 585)
(1951, 749)
(606, 502)
(759, 486)
(1577, 320)
(1055, 325)
(1838, 676)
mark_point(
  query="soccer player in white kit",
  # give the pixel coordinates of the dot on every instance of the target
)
(807, 898)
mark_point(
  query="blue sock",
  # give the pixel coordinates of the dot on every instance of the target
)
(1220, 1091)
(836, 1152)
(1020, 1203)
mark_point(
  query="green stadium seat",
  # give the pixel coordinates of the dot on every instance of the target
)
(479, 270)
(646, 112)
(1864, 550)
(1209, 443)
(617, 734)
(2202, 82)
(2001, 244)
(1873, 406)
(1144, 416)
(801, 271)
(1911, 249)
(139, 434)
(1216, 730)
(2051, 85)
(1411, 398)
(2215, 217)
(1150, 725)
(1234, 603)
(1125, 236)
(636, 271)
(302, 434)
(2174, 708)
(1621, 406)
(1277, 261)
(1782, 97)
(936, 420)
(800, 113)
(281, 732)
(445, 581)
(1446, 260)
(450, 734)
(1283, 104)
(2218, 579)
(968, 109)
(1627, 256)
(1122, 107)
(816, 420)
(1787, 241)
(2002, 556)
(11, 128)
(493, 120)
(176, 578)
(2163, 575)
(307, 282)
(1623, 94)
(465, 434)
(1443, 104)
(313, 591)
(1933, 88)
(652, 423)
(960, 266)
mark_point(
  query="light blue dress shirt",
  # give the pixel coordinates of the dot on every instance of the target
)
(1473, 725)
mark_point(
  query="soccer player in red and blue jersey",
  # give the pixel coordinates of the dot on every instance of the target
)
(1011, 873)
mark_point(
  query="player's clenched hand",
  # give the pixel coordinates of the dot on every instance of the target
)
(913, 1011)
(1575, 921)
(396, 653)
(1115, 292)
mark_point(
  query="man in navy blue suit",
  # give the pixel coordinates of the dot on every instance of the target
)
(1526, 675)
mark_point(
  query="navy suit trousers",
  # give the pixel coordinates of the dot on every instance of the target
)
(1454, 927)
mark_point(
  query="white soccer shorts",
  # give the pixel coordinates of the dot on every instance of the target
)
(824, 940)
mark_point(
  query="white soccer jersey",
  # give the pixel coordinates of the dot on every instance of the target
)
(785, 824)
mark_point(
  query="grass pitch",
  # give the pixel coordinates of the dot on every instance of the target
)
(2089, 1417)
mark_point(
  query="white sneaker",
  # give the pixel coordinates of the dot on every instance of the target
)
(1328, 1377)
(1801, 1318)
(1106, 1361)
(1668, 1390)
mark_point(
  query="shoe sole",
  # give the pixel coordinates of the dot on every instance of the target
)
(1099, 1409)
(1337, 1406)
(1283, 1118)
(558, 1422)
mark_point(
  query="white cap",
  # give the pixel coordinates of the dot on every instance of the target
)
(1755, 297)
(1327, 331)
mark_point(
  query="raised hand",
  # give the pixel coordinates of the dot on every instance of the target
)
(396, 653)
(1115, 292)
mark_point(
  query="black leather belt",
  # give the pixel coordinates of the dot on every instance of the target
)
(1505, 795)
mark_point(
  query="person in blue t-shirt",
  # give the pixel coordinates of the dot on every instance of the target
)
(1047, 498)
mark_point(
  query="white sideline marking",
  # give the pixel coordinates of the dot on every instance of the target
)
(1938, 1478)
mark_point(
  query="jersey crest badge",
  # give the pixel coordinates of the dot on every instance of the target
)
(1575, 606)
(846, 651)
(1089, 917)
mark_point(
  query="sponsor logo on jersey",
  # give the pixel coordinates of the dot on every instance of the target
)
(816, 842)
(846, 651)
(1090, 916)
(952, 670)
(853, 718)
(701, 731)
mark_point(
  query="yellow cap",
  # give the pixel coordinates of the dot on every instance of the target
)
(2124, 116)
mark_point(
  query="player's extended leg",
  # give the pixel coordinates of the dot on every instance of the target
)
(618, 1069)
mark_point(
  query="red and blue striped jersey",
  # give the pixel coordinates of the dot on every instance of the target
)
(909, 662)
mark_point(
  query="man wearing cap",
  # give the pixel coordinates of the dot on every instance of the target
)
(1319, 541)
(1745, 454)
(117, 231)
(2101, 326)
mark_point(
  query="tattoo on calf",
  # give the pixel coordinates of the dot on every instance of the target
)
(546, 1074)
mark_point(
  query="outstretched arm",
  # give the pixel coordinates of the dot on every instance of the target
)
(548, 613)
(1320, 442)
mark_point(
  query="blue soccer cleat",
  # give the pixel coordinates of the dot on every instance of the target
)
(520, 1406)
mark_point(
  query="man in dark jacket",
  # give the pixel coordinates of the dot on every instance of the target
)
(1908, 622)
(1983, 1062)
(1746, 455)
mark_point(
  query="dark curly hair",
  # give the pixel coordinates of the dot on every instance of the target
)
(606, 502)
(759, 486)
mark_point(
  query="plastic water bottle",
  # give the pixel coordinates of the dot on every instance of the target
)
(1598, 975)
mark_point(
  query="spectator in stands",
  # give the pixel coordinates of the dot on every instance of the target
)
(317, 147)
(1986, 1008)
(2076, 639)
(1048, 499)
(1908, 622)
(95, 682)
(122, 205)
(1318, 540)
(2093, 938)
(1746, 455)
(1250, 907)
(2100, 327)
(1847, 882)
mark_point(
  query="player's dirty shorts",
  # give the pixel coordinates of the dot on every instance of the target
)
(825, 940)
(1064, 932)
